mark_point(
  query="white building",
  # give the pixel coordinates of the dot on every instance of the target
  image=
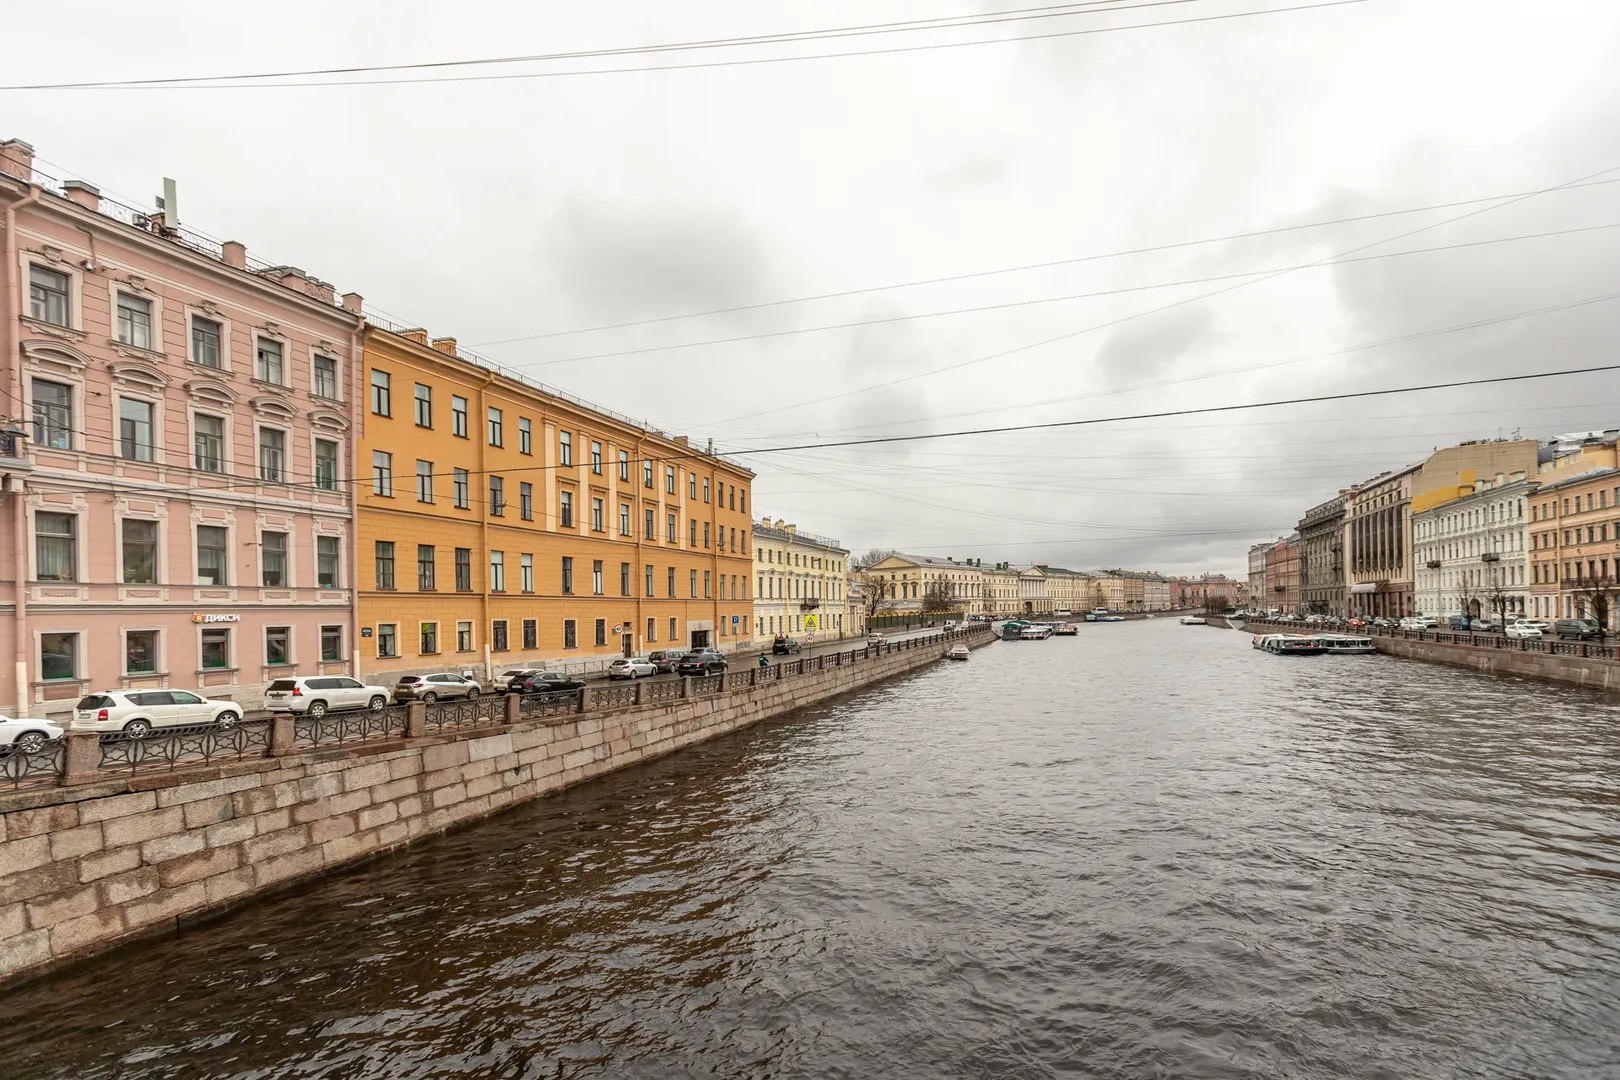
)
(802, 584)
(1471, 550)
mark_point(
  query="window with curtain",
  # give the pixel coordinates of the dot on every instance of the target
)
(140, 552)
(135, 429)
(56, 547)
(212, 558)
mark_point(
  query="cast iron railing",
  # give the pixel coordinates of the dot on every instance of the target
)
(556, 703)
(468, 712)
(19, 767)
(192, 744)
(361, 725)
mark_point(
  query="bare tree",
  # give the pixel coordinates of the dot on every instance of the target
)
(1594, 599)
(1217, 605)
(861, 562)
(1468, 596)
(1500, 601)
(940, 596)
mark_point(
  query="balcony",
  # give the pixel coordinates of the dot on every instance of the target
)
(1433, 564)
(14, 451)
(809, 603)
(1490, 556)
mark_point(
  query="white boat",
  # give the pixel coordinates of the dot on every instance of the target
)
(1067, 629)
(957, 652)
(1035, 633)
(1192, 620)
(1347, 644)
(1289, 644)
(1110, 618)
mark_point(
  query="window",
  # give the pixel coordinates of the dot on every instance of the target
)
(497, 571)
(208, 443)
(705, 534)
(385, 564)
(387, 641)
(649, 577)
(565, 443)
(526, 572)
(424, 406)
(56, 547)
(326, 464)
(570, 640)
(58, 656)
(648, 528)
(382, 473)
(463, 569)
(428, 639)
(495, 427)
(706, 593)
(596, 515)
(205, 350)
(672, 629)
(140, 552)
(47, 296)
(134, 429)
(705, 489)
(624, 519)
(624, 579)
(458, 416)
(525, 436)
(646, 473)
(497, 496)
(652, 630)
(692, 530)
(669, 479)
(140, 652)
(277, 645)
(328, 562)
(672, 527)
(691, 485)
(426, 568)
(531, 634)
(53, 414)
(624, 466)
(326, 381)
(567, 509)
(596, 577)
(424, 481)
(567, 574)
(272, 454)
(460, 489)
(526, 501)
(497, 636)
(216, 648)
(464, 638)
(267, 363)
(596, 457)
(382, 395)
(733, 500)
(134, 321)
(671, 583)
(212, 556)
(601, 632)
(692, 583)
(273, 559)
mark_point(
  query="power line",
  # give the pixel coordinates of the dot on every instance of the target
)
(1059, 299)
(1052, 264)
(1158, 310)
(174, 85)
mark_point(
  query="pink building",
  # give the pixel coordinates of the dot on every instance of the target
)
(176, 506)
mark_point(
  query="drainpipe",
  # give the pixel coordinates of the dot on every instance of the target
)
(19, 511)
(357, 363)
(481, 425)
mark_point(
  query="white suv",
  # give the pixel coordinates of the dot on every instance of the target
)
(319, 694)
(137, 712)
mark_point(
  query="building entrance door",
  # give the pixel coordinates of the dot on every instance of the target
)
(700, 639)
(628, 644)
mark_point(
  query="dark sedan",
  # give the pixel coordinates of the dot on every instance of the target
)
(543, 682)
(702, 662)
(783, 645)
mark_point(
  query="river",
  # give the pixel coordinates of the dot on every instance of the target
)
(1148, 851)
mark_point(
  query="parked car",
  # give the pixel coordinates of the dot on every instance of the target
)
(440, 684)
(876, 639)
(137, 712)
(1579, 629)
(1385, 622)
(702, 662)
(631, 667)
(1413, 623)
(25, 736)
(1485, 626)
(318, 695)
(784, 645)
(504, 679)
(950, 624)
(1356, 622)
(1429, 622)
(666, 659)
(1457, 622)
(543, 682)
(1523, 630)
(1540, 624)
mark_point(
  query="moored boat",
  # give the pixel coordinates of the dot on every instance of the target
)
(1289, 644)
(1346, 644)
(1110, 618)
(1192, 620)
(1067, 629)
(957, 652)
(1038, 632)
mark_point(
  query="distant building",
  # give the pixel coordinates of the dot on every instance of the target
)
(1470, 548)
(919, 584)
(801, 584)
(1283, 575)
(1321, 538)
(1199, 592)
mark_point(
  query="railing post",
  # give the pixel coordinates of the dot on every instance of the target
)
(641, 695)
(416, 719)
(1580, 649)
(584, 694)
(514, 703)
(81, 756)
(282, 733)
(686, 686)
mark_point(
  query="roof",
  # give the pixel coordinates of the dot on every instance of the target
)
(1578, 478)
(932, 560)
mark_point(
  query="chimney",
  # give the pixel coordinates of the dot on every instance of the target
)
(86, 195)
(353, 301)
(319, 290)
(446, 345)
(682, 440)
(17, 159)
(416, 334)
(234, 253)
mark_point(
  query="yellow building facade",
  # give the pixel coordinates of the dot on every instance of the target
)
(502, 525)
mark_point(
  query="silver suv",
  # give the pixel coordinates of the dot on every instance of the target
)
(430, 688)
(137, 712)
(319, 694)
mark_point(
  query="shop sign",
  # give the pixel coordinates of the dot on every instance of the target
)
(200, 617)
(365, 631)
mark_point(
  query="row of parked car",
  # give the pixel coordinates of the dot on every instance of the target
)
(1516, 628)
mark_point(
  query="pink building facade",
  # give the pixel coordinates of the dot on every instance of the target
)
(177, 510)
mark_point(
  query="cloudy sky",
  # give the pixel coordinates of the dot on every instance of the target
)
(521, 214)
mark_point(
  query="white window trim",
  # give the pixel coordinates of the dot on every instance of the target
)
(75, 290)
(258, 544)
(161, 558)
(154, 310)
(190, 312)
(230, 562)
(338, 478)
(75, 387)
(158, 422)
(376, 642)
(80, 554)
(231, 655)
(337, 374)
(79, 659)
(260, 426)
(162, 660)
(226, 464)
(292, 645)
(286, 359)
(320, 634)
(438, 636)
(343, 548)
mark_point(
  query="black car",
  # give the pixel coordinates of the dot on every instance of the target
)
(702, 662)
(784, 644)
(1577, 629)
(666, 659)
(543, 682)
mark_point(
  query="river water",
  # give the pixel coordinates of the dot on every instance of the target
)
(1148, 851)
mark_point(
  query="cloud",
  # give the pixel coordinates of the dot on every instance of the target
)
(1152, 345)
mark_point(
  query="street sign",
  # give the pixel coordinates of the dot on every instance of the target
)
(365, 631)
(809, 622)
(735, 619)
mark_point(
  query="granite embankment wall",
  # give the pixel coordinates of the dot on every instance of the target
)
(1569, 662)
(83, 868)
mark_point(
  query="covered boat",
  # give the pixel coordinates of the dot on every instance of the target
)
(957, 652)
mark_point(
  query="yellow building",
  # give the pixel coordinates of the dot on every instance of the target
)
(505, 525)
(801, 584)
(918, 584)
